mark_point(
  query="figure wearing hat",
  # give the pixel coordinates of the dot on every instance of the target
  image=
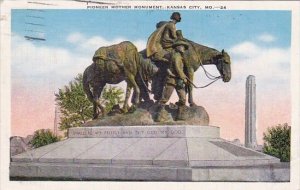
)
(176, 78)
(162, 39)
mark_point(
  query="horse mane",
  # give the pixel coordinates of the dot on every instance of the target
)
(201, 47)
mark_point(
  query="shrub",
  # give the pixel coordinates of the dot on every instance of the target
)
(277, 142)
(43, 137)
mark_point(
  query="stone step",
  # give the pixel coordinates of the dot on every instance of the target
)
(279, 172)
(190, 152)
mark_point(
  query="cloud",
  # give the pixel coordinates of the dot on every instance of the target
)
(34, 63)
(90, 44)
(245, 49)
(74, 38)
(266, 37)
(267, 64)
(140, 44)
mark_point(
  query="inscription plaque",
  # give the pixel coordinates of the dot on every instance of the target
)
(144, 132)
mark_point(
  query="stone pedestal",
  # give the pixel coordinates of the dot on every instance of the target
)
(148, 153)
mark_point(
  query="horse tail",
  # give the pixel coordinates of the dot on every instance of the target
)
(86, 82)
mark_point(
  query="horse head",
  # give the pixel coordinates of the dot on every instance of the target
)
(222, 61)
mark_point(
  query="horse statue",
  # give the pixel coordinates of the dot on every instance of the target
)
(123, 62)
(197, 55)
(112, 65)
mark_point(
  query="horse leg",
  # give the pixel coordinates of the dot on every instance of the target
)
(190, 95)
(133, 97)
(96, 104)
(190, 88)
(128, 92)
(136, 89)
(144, 94)
(96, 110)
(130, 73)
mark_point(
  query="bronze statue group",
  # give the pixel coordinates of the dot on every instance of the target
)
(169, 61)
(165, 46)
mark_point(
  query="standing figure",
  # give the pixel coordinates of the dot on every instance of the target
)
(175, 79)
(158, 48)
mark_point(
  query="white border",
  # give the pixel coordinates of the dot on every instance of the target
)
(5, 101)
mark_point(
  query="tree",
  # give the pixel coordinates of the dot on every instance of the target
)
(75, 107)
(43, 137)
(277, 142)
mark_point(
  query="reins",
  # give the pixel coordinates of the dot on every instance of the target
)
(214, 80)
(207, 74)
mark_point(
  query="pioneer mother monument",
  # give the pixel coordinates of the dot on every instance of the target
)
(150, 140)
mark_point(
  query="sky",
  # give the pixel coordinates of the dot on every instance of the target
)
(257, 41)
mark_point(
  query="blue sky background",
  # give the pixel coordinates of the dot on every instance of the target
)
(257, 41)
(222, 29)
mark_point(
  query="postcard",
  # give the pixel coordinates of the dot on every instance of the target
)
(150, 94)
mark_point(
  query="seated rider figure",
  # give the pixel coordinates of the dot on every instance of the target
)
(162, 39)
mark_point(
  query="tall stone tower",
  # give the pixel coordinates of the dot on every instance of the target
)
(250, 113)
